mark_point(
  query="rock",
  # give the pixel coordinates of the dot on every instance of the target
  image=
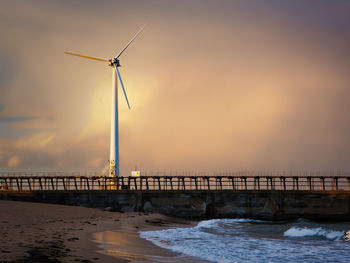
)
(156, 221)
(181, 206)
(127, 208)
(109, 209)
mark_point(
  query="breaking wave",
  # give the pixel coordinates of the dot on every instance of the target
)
(314, 232)
(249, 240)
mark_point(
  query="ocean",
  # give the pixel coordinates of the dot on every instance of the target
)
(248, 240)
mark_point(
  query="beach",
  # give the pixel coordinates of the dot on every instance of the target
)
(37, 232)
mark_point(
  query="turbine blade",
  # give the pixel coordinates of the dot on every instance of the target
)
(121, 52)
(83, 56)
(121, 82)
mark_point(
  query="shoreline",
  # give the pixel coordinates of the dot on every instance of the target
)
(123, 240)
(38, 232)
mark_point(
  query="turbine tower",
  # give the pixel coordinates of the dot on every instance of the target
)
(115, 64)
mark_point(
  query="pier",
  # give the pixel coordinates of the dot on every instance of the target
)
(274, 181)
(273, 196)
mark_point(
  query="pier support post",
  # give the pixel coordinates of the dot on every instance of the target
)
(309, 186)
(29, 184)
(233, 182)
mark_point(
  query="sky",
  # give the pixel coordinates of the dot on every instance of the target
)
(213, 85)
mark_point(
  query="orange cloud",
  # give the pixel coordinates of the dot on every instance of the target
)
(13, 161)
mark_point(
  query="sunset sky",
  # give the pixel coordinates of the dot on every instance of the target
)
(213, 85)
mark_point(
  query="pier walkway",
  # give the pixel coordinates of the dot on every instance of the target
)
(276, 181)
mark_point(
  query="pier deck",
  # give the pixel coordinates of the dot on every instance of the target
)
(221, 181)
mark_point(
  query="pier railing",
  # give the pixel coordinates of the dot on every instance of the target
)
(222, 181)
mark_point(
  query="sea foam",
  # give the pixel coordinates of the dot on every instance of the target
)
(196, 241)
(314, 232)
(249, 240)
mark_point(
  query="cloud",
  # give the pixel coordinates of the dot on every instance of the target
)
(35, 141)
(225, 85)
(17, 119)
(95, 163)
(16, 127)
(13, 161)
(6, 132)
(7, 74)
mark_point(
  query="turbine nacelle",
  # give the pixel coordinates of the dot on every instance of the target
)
(114, 62)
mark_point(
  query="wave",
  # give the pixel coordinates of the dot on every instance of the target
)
(296, 232)
(207, 240)
(237, 240)
(214, 222)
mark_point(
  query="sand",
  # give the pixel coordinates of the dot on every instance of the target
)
(35, 232)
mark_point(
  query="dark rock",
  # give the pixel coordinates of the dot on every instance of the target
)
(73, 239)
(42, 255)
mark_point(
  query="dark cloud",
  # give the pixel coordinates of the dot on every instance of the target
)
(7, 132)
(17, 119)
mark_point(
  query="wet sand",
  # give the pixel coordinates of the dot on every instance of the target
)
(123, 240)
(35, 232)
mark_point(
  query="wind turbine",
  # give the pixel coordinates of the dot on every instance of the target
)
(114, 63)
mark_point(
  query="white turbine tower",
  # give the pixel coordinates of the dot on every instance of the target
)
(114, 146)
